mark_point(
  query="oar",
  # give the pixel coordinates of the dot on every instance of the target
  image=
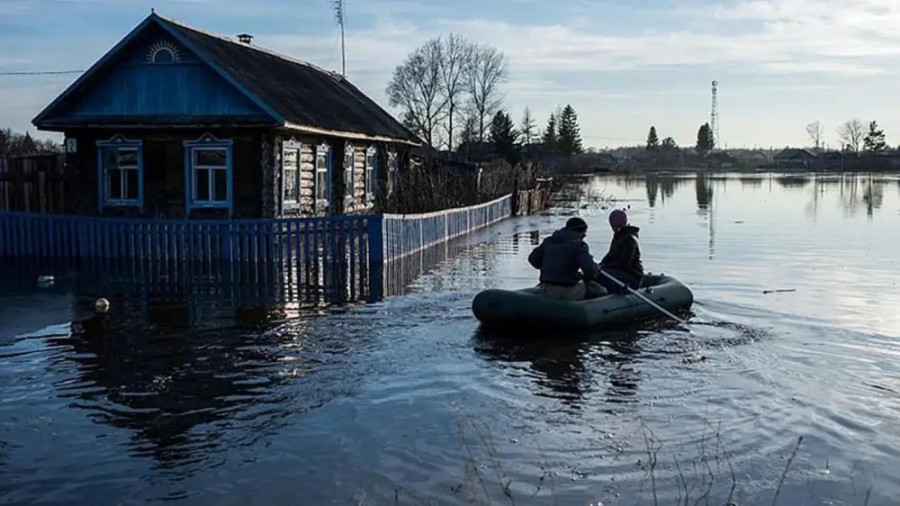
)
(645, 299)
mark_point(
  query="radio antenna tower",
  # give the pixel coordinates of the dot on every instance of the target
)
(338, 6)
(714, 116)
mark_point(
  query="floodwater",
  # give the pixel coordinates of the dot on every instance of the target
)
(786, 385)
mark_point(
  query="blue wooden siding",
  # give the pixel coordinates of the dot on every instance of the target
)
(188, 89)
(185, 87)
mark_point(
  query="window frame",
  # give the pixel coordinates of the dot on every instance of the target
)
(370, 181)
(393, 174)
(288, 204)
(208, 142)
(349, 174)
(119, 143)
(323, 152)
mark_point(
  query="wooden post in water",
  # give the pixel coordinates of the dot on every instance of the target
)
(375, 238)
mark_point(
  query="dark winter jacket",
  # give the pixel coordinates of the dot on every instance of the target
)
(560, 256)
(624, 252)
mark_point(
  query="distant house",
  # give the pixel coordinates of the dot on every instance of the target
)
(177, 122)
(793, 158)
(831, 160)
(477, 151)
(720, 160)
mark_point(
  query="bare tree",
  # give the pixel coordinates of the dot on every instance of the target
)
(851, 133)
(446, 80)
(814, 130)
(487, 73)
(454, 66)
(417, 88)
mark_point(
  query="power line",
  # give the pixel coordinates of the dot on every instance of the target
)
(41, 73)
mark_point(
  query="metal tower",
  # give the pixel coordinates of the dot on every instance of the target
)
(714, 116)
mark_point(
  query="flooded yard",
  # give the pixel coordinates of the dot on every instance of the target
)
(786, 385)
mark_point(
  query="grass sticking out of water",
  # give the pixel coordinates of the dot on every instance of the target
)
(485, 482)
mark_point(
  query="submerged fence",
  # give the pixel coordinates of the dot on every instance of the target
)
(334, 255)
(409, 233)
(336, 258)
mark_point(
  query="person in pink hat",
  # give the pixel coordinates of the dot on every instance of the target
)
(623, 260)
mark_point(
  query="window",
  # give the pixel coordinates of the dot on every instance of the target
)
(290, 175)
(349, 162)
(210, 175)
(323, 162)
(393, 174)
(208, 172)
(120, 170)
(370, 181)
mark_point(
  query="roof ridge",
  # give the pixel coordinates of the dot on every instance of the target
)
(261, 49)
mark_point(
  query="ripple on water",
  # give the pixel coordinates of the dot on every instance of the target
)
(405, 398)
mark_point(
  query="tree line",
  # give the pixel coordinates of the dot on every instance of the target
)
(705, 141)
(450, 92)
(17, 144)
(852, 134)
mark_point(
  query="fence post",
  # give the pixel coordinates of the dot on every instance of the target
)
(375, 236)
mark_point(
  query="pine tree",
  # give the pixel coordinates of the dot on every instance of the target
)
(504, 137)
(529, 127)
(704, 139)
(569, 134)
(469, 131)
(652, 140)
(874, 141)
(550, 138)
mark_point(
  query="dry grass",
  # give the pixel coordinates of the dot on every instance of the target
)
(434, 186)
(484, 479)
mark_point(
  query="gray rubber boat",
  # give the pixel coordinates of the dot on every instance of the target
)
(527, 307)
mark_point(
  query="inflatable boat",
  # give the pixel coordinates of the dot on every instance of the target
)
(529, 308)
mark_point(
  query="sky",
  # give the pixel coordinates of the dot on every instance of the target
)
(624, 65)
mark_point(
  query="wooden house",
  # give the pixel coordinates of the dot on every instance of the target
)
(793, 158)
(176, 122)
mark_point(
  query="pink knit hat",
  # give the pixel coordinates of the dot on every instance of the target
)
(618, 218)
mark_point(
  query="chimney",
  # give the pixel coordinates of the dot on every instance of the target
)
(245, 38)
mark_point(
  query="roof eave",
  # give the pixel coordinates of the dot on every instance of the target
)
(348, 135)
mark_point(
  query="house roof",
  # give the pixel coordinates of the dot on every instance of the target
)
(789, 153)
(297, 94)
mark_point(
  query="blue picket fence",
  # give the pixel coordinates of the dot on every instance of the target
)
(334, 254)
(405, 234)
(332, 258)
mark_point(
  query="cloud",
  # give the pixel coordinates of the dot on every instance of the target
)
(640, 58)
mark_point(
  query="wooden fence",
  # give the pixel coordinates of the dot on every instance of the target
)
(535, 199)
(332, 259)
(32, 184)
(405, 234)
(333, 255)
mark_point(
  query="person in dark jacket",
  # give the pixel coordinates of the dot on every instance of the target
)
(623, 260)
(560, 257)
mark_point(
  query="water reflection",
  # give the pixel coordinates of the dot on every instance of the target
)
(704, 191)
(751, 181)
(856, 191)
(165, 387)
(793, 181)
(657, 184)
(566, 367)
